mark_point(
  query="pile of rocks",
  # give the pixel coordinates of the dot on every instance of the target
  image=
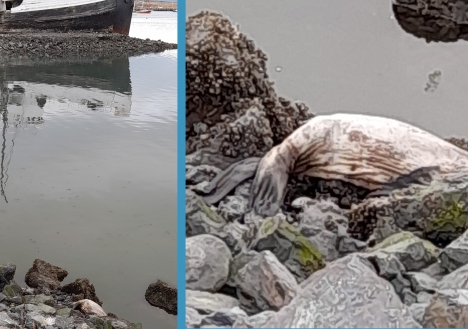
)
(45, 303)
(309, 265)
(33, 44)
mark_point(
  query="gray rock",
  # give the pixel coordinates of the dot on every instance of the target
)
(435, 270)
(323, 224)
(421, 282)
(455, 254)
(447, 309)
(37, 299)
(192, 318)
(206, 302)
(233, 207)
(424, 297)
(254, 321)
(388, 266)
(7, 273)
(352, 279)
(45, 309)
(454, 280)
(414, 254)
(264, 284)
(403, 289)
(30, 307)
(6, 320)
(223, 318)
(417, 311)
(207, 263)
(63, 322)
(200, 218)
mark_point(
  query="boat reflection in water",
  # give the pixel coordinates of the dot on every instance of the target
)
(31, 90)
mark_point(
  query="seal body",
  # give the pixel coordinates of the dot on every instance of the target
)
(87, 306)
(367, 151)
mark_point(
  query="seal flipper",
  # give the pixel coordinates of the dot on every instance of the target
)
(268, 190)
(420, 176)
(227, 180)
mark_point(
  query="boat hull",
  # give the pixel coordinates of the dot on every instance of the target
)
(113, 15)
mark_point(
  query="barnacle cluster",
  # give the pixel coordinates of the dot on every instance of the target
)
(231, 104)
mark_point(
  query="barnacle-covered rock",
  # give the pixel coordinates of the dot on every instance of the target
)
(433, 20)
(437, 212)
(231, 104)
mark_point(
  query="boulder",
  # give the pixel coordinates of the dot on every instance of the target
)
(328, 299)
(82, 289)
(207, 263)
(162, 295)
(45, 277)
(206, 302)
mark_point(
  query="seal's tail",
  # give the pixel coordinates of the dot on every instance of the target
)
(227, 180)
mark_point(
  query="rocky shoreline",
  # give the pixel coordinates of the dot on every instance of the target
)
(302, 268)
(50, 44)
(45, 303)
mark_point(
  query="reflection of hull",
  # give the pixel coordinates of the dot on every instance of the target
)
(32, 89)
(69, 15)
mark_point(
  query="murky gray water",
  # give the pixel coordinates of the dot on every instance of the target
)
(351, 56)
(88, 174)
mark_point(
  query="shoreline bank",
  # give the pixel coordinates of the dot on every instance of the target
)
(50, 44)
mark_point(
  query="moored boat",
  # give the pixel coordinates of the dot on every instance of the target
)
(143, 12)
(64, 15)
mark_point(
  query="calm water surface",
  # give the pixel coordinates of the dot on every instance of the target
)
(352, 56)
(88, 171)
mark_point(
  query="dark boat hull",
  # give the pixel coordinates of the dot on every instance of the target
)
(114, 15)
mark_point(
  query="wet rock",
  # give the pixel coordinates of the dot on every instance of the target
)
(207, 263)
(254, 321)
(223, 318)
(447, 309)
(206, 302)
(81, 289)
(162, 295)
(45, 277)
(352, 278)
(288, 245)
(421, 282)
(233, 207)
(264, 284)
(7, 273)
(455, 254)
(192, 318)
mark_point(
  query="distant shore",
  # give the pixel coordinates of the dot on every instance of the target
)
(155, 5)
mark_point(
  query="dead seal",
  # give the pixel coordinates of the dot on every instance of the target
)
(87, 306)
(364, 150)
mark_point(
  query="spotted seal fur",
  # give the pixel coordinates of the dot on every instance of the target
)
(367, 151)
